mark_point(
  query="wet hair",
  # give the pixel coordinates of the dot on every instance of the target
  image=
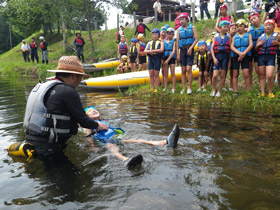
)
(32, 37)
(140, 20)
(179, 9)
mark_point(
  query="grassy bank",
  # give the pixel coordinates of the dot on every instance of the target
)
(245, 100)
(104, 43)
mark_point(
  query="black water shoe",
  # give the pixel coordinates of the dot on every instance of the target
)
(134, 161)
(173, 137)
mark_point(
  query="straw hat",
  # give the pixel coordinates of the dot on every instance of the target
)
(70, 64)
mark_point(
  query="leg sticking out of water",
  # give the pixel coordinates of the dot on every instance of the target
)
(129, 162)
(171, 141)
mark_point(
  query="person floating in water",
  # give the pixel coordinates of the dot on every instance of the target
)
(111, 137)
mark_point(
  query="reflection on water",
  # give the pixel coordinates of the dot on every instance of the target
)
(227, 158)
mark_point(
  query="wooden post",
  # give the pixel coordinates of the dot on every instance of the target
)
(106, 26)
(118, 21)
(147, 12)
(95, 25)
(163, 15)
(156, 16)
(134, 18)
(169, 15)
(193, 12)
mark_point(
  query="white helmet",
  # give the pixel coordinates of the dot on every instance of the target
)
(41, 38)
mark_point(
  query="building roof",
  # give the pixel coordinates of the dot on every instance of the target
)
(145, 7)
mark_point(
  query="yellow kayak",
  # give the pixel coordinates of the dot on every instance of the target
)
(128, 79)
(100, 66)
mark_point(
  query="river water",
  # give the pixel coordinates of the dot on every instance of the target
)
(227, 158)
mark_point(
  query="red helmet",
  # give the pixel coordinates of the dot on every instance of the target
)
(184, 15)
(223, 6)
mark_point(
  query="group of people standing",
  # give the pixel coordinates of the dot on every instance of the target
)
(233, 45)
(32, 49)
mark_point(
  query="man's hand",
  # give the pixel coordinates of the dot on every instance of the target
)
(102, 126)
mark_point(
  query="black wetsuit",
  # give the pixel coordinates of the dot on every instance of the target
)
(62, 99)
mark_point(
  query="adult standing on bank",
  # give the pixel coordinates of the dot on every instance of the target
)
(204, 7)
(218, 3)
(79, 42)
(25, 48)
(44, 49)
(34, 52)
(141, 28)
(157, 6)
(54, 109)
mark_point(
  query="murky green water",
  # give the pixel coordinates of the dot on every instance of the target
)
(226, 158)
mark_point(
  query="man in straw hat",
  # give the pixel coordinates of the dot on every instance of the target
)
(54, 109)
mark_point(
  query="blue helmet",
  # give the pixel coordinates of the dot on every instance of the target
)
(170, 30)
(163, 28)
(202, 42)
(167, 26)
(133, 40)
(156, 31)
(92, 107)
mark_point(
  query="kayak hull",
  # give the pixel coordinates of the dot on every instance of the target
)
(128, 79)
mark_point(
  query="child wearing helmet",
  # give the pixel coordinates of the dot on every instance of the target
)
(162, 33)
(220, 51)
(44, 50)
(141, 28)
(256, 30)
(211, 63)
(202, 60)
(169, 58)
(111, 137)
(186, 40)
(122, 47)
(142, 58)
(154, 49)
(224, 16)
(133, 54)
(267, 47)
(123, 67)
(241, 46)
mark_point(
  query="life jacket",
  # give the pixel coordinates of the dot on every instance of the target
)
(177, 22)
(168, 48)
(33, 45)
(79, 42)
(36, 115)
(107, 134)
(142, 46)
(140, 29)
(154, 45)
(119, 36)
(132, 51)
(221, 45)
(268, 47)
(202, 59)
(42, 46)
(227, 18)
(256, 33)
(186, 36)
(123, 47)
(241, 43)
(277, 17)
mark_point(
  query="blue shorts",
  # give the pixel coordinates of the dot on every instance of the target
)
(244, 63)
(154, 62)
(186, 60)
(222, 61)
(266, 60)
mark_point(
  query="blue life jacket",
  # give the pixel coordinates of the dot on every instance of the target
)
(256, 33)
(122, 47)
(241, 43)
(142, 46)
(107, 134)
(168, 48)
(186, 36)
(268, 47)
(221, 45)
